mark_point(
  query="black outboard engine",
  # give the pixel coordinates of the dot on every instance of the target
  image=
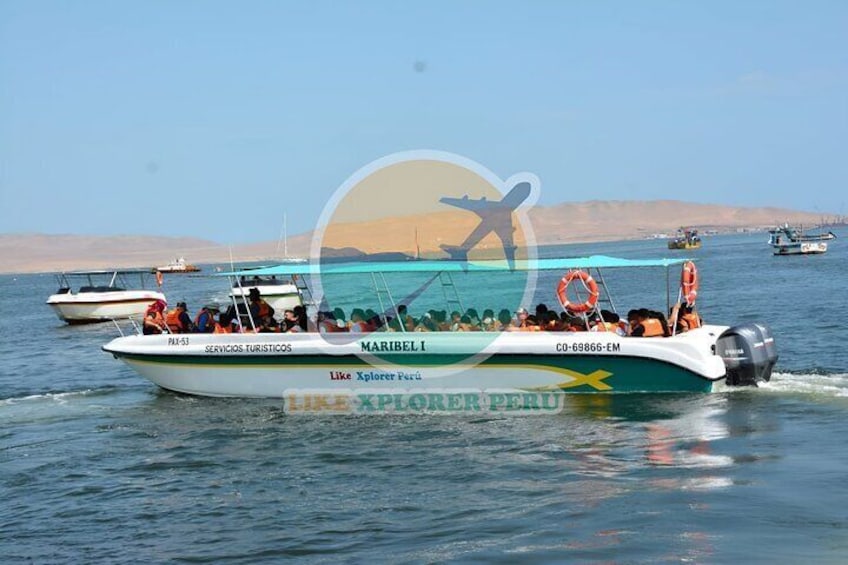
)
(749, 354)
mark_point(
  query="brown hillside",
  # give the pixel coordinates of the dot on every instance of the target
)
(563, 223)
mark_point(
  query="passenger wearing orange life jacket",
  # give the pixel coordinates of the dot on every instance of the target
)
(644, 323)
(689, 319)
(154, 321)
(224, 325)
(261, 312)
(326, 322)
(530, 324)
(609, 322)
(178, 320)
(573, 323)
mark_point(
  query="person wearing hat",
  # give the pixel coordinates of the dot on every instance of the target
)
(154, 320)
(520, 321)
(204, 322)
(178, 320)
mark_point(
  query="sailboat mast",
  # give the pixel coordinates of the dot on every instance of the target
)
(285, 237)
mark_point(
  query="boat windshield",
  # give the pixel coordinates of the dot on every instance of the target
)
(102, 281)
(261, 281)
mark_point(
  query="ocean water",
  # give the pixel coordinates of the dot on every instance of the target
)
(97, 464)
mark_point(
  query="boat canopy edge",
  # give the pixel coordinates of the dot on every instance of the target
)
(107, 272)
(549, 264)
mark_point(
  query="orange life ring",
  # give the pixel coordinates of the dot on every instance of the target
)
(588, 283)
(689, 282)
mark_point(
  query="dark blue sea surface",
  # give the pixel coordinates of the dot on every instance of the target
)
(97, 464)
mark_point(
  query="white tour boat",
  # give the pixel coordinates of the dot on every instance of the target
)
(276, 364)
(102, 295)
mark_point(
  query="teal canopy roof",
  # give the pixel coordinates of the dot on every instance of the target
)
(593, 262)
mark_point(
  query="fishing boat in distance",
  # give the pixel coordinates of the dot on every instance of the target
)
(101, 296)
(178, 266)
(685, 239)
(792, 240)
(273, 365)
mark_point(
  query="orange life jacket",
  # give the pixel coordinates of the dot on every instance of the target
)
(330, 327)
(691, 321)
(605, 327)
(173, 321)
(653, 328)
(157, 319)
(264, 309)
(219, 329)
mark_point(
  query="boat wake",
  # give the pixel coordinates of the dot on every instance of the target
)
(58, 397)
(819, 384)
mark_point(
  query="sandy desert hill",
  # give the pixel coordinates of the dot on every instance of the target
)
(562, 223)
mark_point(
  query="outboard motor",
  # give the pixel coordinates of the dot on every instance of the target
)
(749, 354)
(771, 349)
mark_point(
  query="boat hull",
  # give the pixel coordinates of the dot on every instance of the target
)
(274, 365)
(280, 297)
(673, 245)
(93, 307)
(801, 248)
(176, 270)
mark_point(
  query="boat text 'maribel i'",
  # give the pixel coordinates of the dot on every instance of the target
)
(270, 364)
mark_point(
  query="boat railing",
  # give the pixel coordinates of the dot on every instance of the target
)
(244, 299)
(390, 309)
(137, 328)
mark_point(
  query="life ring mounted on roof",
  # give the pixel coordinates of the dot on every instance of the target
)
(588, 283)
(689, 282)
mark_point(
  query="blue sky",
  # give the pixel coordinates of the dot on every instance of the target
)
(213, 119)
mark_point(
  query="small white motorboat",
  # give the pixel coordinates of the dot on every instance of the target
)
(281, 293)
(101, 296)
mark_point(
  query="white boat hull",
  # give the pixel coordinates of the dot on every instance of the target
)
(274, 365)
(280, 297)
(88, 307)
(801, 248)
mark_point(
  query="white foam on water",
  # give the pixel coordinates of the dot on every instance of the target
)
(834, 385)
(58, 397)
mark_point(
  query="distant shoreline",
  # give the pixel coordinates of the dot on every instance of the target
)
(81, 265)
(571, 223)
